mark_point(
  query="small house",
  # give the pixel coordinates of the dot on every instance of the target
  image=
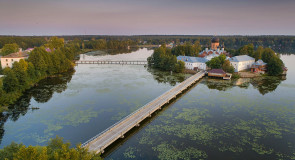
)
(216, 73)
(8, 60)
(259, 67)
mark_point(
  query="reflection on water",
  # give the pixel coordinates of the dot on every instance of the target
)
(167, 77)
(41, 93)
(263, 84)
(237, 119)
(134, 55)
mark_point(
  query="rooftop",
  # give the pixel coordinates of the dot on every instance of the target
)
(16, 55)
(219, 71)
(241, 58)
(259, 63)
(192, 59)
(215, 40)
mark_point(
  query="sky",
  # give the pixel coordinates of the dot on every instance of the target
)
(147, 17)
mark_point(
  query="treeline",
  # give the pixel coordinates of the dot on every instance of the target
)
(23, 42)
(55, 149)
(283, 44)
(39, 65)
(163, 59)
(100, 44)
(187, 49)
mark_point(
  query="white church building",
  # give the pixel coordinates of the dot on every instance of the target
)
(242, 62)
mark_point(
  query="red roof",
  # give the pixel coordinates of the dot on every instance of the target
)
(16, 55)
(218, 71)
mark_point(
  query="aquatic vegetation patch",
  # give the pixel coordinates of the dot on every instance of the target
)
(130, 153)
(168, 151)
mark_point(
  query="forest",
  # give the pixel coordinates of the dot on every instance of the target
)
(163, 59)
(279, 43)
(39, 65)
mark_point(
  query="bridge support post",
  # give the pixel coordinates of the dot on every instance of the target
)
(122, 135)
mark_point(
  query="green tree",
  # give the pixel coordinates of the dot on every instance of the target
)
(268, 54)
(9, 48)
(163, 59)
(274, 67)
(55, 43)
(258, 53)
(37, 58)
(56, 149)
(10, 81)
(246, 50)
(216, 62)
(227, 67)
(20, 70)
(8, 151)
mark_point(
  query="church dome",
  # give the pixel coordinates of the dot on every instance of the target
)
(215, 40)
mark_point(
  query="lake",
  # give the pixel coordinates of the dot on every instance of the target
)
(241, 119)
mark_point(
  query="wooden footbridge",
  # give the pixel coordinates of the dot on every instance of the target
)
(112, 62)
(101, 141)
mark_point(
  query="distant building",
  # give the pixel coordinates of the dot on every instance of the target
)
(49, 50)
(259, 67)
(8, 60)
(204, 56)
(29, 50)
(214, 43)
(170, 45)
(242, 62)
(193, 63)
(214, 51)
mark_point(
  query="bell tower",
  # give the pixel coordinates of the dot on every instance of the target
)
(214, 43)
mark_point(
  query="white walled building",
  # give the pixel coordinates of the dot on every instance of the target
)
(193, 62)
(8, 60)
(242, 62)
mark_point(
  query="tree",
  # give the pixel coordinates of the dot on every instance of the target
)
(216, 62)
(274, 67)
(268, 54)
(227, 67)
(247, 50)
(8, 151)
(10, 81)
(37, 58)
(163, 59)
(258, 53)
(9, 48)
(55, 43)
(20, 70)
(56, 149)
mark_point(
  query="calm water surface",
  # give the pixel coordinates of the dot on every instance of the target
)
(244, 119)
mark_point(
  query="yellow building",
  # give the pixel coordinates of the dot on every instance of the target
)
(8, 60)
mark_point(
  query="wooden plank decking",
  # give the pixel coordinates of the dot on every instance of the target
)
(101, 141)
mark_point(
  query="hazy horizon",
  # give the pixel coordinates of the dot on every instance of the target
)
(154, 17)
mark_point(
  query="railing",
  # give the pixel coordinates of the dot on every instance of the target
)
(138, 110)
(133, 113)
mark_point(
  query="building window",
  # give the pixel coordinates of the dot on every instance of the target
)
(6, 64)
(11, 60)
(6, 60)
